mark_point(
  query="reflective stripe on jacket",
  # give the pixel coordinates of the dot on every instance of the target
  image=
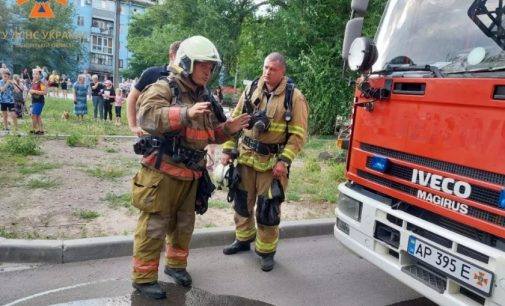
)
(158, 113)
(276, 134)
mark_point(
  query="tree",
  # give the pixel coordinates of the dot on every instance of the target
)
(310, 35)
(55, 45)
(6, 26)
(308, 32)
(219, 20)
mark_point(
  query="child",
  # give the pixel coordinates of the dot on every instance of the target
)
(109, 95)
(38, 91)
(118, 102)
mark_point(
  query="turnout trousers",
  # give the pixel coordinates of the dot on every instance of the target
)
(167, 214)
(253, 185)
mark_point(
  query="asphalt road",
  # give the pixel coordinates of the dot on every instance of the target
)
(309, 271)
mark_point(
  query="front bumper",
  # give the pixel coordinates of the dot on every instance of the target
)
(358, 236)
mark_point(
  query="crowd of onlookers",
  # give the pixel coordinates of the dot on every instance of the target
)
(33, 85)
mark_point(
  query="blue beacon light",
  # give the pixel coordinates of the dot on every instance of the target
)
(381, 164)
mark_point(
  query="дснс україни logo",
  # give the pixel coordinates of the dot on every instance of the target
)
(42, 8)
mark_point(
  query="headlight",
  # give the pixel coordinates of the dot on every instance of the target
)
(350, 207)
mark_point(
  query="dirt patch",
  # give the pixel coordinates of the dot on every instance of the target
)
(79, 202)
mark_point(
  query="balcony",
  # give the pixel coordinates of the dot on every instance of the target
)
(145, 2)
(101, 31)
(103, 14)
(100, 68)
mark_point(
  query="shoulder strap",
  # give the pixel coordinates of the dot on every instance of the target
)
(288, 100)
(174, 89)
(288, 105)
(217, 109)
(247, 107)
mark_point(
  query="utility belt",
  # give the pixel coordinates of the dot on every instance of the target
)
(262, 148)
(170, 146)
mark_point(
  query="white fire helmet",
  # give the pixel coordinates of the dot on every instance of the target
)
(197, 49)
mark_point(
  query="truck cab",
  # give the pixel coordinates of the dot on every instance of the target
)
(425, 196)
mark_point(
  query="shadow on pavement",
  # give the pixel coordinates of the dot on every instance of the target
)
(177, 295)
(415, 302)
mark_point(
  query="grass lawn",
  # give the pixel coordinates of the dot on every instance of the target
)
(315, 180)
(312, 191)
(55, 125)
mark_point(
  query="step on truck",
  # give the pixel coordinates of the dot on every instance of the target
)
(425, 196)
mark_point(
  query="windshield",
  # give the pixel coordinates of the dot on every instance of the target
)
(441, 33)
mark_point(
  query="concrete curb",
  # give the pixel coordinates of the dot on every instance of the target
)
(64, 251)
(105, 137)
(65, 136)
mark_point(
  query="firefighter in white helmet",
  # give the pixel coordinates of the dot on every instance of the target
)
(171, 184)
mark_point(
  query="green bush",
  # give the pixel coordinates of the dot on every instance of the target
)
(108, 172)
(337, 172)
(115, 201)
(311, 165)
(41, 184)
(7, 234)
(23, 146)
(37, 168)
(73, 140)
(79, 140)
(87, 214)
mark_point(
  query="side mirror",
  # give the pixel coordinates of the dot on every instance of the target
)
(353, 30)
(362, 54)
(359, 7)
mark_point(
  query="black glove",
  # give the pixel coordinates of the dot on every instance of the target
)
(268, 209)
(203, 193)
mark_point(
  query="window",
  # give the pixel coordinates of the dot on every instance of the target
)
(101, 26)
(88, 2)
(80, 21)
(120, 63)
(101, 59)
(101, 44)
(104, 5)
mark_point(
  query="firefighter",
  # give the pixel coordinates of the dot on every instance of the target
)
(180, 122)
(275, 135)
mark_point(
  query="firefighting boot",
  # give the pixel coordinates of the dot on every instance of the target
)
(267, 262)
(179, 275)
(151, 290)
(237, 246)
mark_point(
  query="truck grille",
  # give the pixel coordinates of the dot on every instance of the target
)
(472, 211)
(477, 174)
(479, 194)
(426, 276)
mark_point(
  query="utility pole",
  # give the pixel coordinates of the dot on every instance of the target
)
(235, 83)
(117, 23)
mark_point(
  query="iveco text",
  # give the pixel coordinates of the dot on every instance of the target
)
(437, 182)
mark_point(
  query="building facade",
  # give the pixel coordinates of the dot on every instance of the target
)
(97, 19)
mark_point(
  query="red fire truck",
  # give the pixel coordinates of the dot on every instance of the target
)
(425, 196)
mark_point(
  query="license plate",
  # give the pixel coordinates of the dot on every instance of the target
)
(458, 269)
